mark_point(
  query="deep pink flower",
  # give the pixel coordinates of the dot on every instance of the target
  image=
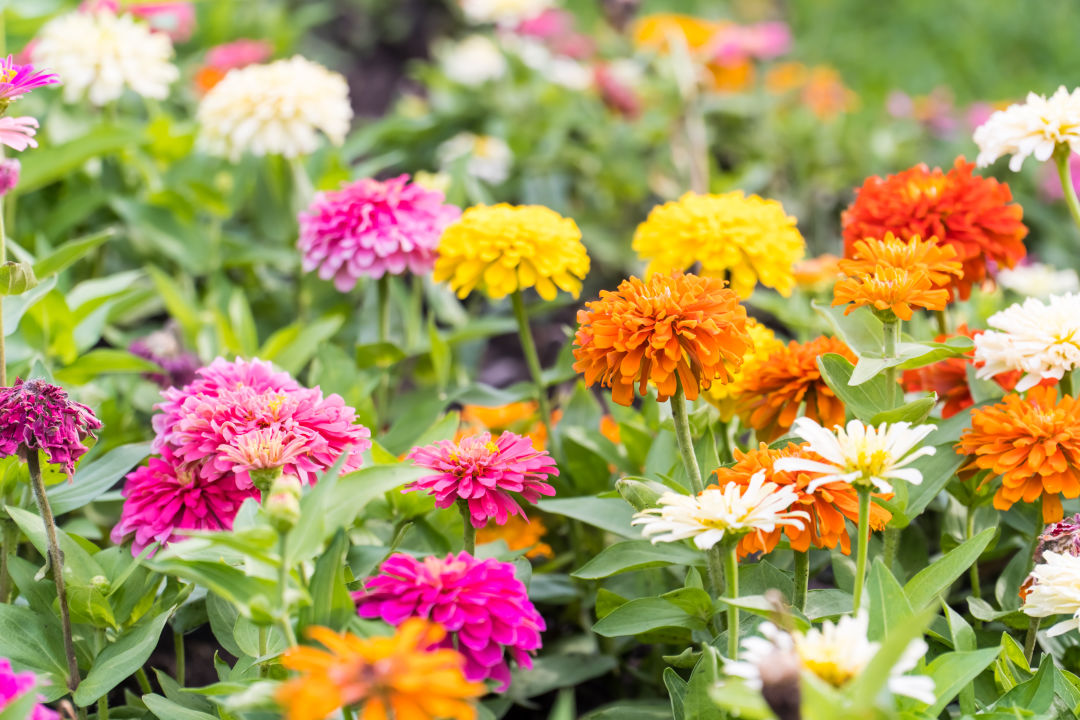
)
(371, 227)
(161, 501)
(16, 80)
(762, 41)
(40, 416)
(164, 347)
(484, 472)
(18, 132)
(230, 399)
(555, 28)
(238, 54)
(483, 606)
(175, 19)
(9, 175)
(13, 685)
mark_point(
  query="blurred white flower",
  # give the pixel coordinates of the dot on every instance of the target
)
(733, 510)
(835, 653)
(1056, 591)
(862, 455)
(1039, 280)
(1035, 127)
(99, 54)
(275, 109)
(556, 69)
(506, 13)
(472, 61)
(487, 158)
(1042, 340)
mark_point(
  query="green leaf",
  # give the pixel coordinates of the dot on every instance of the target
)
(96, 477)
(331, 604)
(827, 603)
(860, 329)
(104, 361)
(913, 412)
(291, 347)
(16, 278)
(16, 306)
(610, 514)
(963, 639)
(637, 555)
(676, 688)
(699, 704)
(931, 581)
(874, 677)
(229, 582)
(888, 605)
(555, 671)
(644, 614)
(937, 470)
(952, 672)
(119, 661)
(49, 164)
(33, 640)
(70, 252)
(863, 401)
(79, 565)
(168, 710)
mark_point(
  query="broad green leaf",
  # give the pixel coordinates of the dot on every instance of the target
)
(119, 661)
(644, 614)
(931, 581)
(229, 582)
(874, 677)
(860, 329)
(166, 709)
(33, 640)
(291, 347)
(937, 470)
(558, 670)
(863, 401)
(104, 361)
(676, 688)
(70, 252)
(963, 639)
(96, 477)
(637, 555)
(331, 604)
(827, 603)
(51, 163)
(698, 704)
(913, 412)
(17, 305)
(611, 514)
(631, 710)
(954, 671)
(79, 565)
(888, 606)
(1036, 694)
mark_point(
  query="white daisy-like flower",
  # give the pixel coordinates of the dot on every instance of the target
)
(275, 109)
(556, 69)
(714, 513)
(1039, 280)
(473, 61)
(100, 54)
(859, 454)
(1041, 339)
(1055, 591)
(505, 13)
(1035, 127)
(487, 157)
(835, 653)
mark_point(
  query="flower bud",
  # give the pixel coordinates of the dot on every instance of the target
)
(283, 503)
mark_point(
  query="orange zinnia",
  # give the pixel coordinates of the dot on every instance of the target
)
(974, 215)
(405, 676)
(1032, 444)
(518, 534)
(772, 391)
(890, 290)
(668, 330)
(915, 254)
(828, 505)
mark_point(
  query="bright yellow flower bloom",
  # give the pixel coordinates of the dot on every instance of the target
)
(724, 396)
(499, 249)
(746, 240)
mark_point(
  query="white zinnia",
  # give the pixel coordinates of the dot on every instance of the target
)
(709, 516)
(275, 109)
(1039, 280)
(99, 54)
(473, 61)
(1035, 127)
(835, 653)
(487, 158)
(556, 69)
(1056, 591)
(860, 454)
(1042, 340)
(506, 13)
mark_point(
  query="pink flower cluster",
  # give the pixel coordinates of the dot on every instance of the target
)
(371, 227)
(556, 29)
(484, 472)
(14, 685)
(40, 416)
(175, 19)
(238, 54)
(483, 606)
(761, 41)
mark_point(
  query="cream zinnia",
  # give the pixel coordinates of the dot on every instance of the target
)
(1055, 591)
(1040, 339)
(1036, 127)
(862, 455)
(486, 157)
(1038, 280)
(733, 510)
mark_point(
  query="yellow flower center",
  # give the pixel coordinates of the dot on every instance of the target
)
(7, 74)
(869, 464)
(828, 670)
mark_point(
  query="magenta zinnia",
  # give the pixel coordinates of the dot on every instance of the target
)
(14, 685)
(9, 175)
(483, 606)
(483, 472)
(18, 132)
(369, 228)
(17, 80)
(35, 415)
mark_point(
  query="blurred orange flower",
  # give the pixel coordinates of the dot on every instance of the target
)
(817, 273)
(518, 534)
(826, 94)
(701, 39)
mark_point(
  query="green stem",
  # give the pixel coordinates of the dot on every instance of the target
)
(469, 531)
(347, 713)
(802, 578)
(1066, 383)
(283, 582)
(891, 339)
(56, 559)
(891, 536)
(1029, 639)
(263, 640)
(864, 542)
(731, 577)
(382, 398)
(103, 707)
(532, 359)
(144, 681)
(976, 585)
(942, 322)
(10, 534)
(178, 649)
(1061, 158)
(685, 441)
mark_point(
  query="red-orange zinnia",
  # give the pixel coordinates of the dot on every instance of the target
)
(667, 330)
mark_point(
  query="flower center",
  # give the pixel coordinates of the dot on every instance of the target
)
(828, 669)
(869, 464)
(7, 74)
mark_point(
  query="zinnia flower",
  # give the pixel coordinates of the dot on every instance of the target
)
(891, 290)
(744, 239)
(1032, 444)
(100, 54)
(975, 215)
(265, 449)
(1037, 127)
(865, 456)
(17, 80)
(772, 390)
(483, 472)
(836, 653)
(828, 505)
(230, 399)
(275, 109)
(1055, 590)
(519, 534)
(18, 132)
(371, 227)
(1062, 537)
(164, 348)
(1040, 339)
(724, 396)
(817, 273)
(15, 684)
(501, 249)
(35, 415)
(734, 510)
(936, 261)
(9, 174)
(1038, 280)
(472, 61)
(481, 602)
(405, 677)
(504, 13)
(519, 417)
(485, 157)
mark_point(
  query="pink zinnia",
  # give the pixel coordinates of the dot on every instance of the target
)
(175, 19)
(14, 685)
(238, 54)
(16, 80)
(371, 227)
(230, 399)
(161, 502)
(18, 132)
(483, 606)
(484, 472)
(9, 175)
(36, 415)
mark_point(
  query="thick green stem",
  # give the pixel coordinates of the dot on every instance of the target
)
(10, 534)
(178, 650)
(1066, 383)
(1061, 158)
(864, 543)
(56, 559)
(1029, 638)
(976, 585)
(685, 441)
(144, 681)
(942, 321)
(347, 713)
(103, 707)
(469, 531)
(532, 359)
(891, 537)
(382, 391)
(283, 582)
(731, 577)
(802, 578)
(891, 339)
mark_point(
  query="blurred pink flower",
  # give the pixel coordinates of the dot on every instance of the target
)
(483, 606)
(175, 19)
(555, 28)
(9, 175)
(616, 94)
(763, 41)
(18, 132)
(37, 415)
(978, 113)
(13, 685)
(238, 54)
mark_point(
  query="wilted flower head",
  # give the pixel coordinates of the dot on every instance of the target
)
(659, 329)
(14, 685)
(16, 80)
(485, 157)
(275, 109)
(1036, 127)
(9, 175)
(483, 472)
(1040, 339)
(409, 676)
(480, 602)
(164, 348)
(35, 415)
(18, 132)
(1039, 280)
(1055, 590)
(370, 227)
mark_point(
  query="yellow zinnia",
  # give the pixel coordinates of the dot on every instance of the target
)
(746, 239)
(723, 396)
(500, 249)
